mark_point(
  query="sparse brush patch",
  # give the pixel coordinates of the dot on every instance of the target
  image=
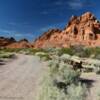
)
(43, 56)
(57, 91)
(28, 51)
(6, 55)
(61, 82)
(98, 96)
(70, 76)
(65, 51)
(97, 69)
(76, 92)
(49, 92)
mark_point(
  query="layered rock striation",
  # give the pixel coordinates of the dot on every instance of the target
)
(82, 30)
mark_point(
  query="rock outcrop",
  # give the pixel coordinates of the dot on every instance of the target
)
(82, 30)
(20, 44)
(12, 43)
(6, 41)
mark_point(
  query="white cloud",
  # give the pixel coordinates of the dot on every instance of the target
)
(75, 4)
(78, 4)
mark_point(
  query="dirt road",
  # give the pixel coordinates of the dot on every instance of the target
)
(19, 78)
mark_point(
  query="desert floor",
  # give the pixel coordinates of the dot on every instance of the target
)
(19, 78)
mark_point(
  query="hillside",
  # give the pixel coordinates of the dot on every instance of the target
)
(82, 30)
(12, 43)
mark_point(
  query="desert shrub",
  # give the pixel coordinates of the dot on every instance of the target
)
(83, 52)
(63, 72)
(11, 50)
(6, 55)
(92, 51)
(50, 50)
(23, 50)
(49, 92)
(97, 57)
(70, 76)
(61, 82)
(65, 57)
(88, 52)
(97, 53)
(43, 56)
(97, 69)
(53, 67)
(77, 92)
(98, 95)
(67, 75)
(65, 51)
(77, 48)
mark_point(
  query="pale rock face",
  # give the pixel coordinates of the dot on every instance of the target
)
(82, 30)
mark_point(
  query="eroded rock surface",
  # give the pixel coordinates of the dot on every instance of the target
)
(82, 30)
(12, 43)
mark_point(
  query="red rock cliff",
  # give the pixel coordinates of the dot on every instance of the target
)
(82, 30)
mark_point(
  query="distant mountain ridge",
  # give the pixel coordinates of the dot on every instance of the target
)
(12, 43)
(82, 30)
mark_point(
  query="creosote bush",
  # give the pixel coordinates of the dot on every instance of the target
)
(77, 92)
(65, 51)
(61, 82)
(43, 56)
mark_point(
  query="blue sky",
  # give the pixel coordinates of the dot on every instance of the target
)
(30, 18)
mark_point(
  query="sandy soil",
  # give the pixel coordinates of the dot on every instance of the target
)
(19, 78)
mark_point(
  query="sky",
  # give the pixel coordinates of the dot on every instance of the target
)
(30, 18)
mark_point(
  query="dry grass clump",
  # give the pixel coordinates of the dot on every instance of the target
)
(61, 82)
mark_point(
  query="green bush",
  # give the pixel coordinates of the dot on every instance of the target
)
(43, 56)
(97, 69)
(65, 51)
(63, 72)
(76, 92)
(53, 67)
(70, 76)
(48, 91)
(98, 95)
(6, 55)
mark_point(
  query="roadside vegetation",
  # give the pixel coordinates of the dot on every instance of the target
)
(61, 82)
(62, 79)
(4, 55)
(79, 51)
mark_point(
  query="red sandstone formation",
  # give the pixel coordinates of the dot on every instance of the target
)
(12, 43)
(20, 44)
(82, 30)
(6, 41)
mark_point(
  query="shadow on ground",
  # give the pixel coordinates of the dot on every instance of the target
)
(2, 62)
(88, 82)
